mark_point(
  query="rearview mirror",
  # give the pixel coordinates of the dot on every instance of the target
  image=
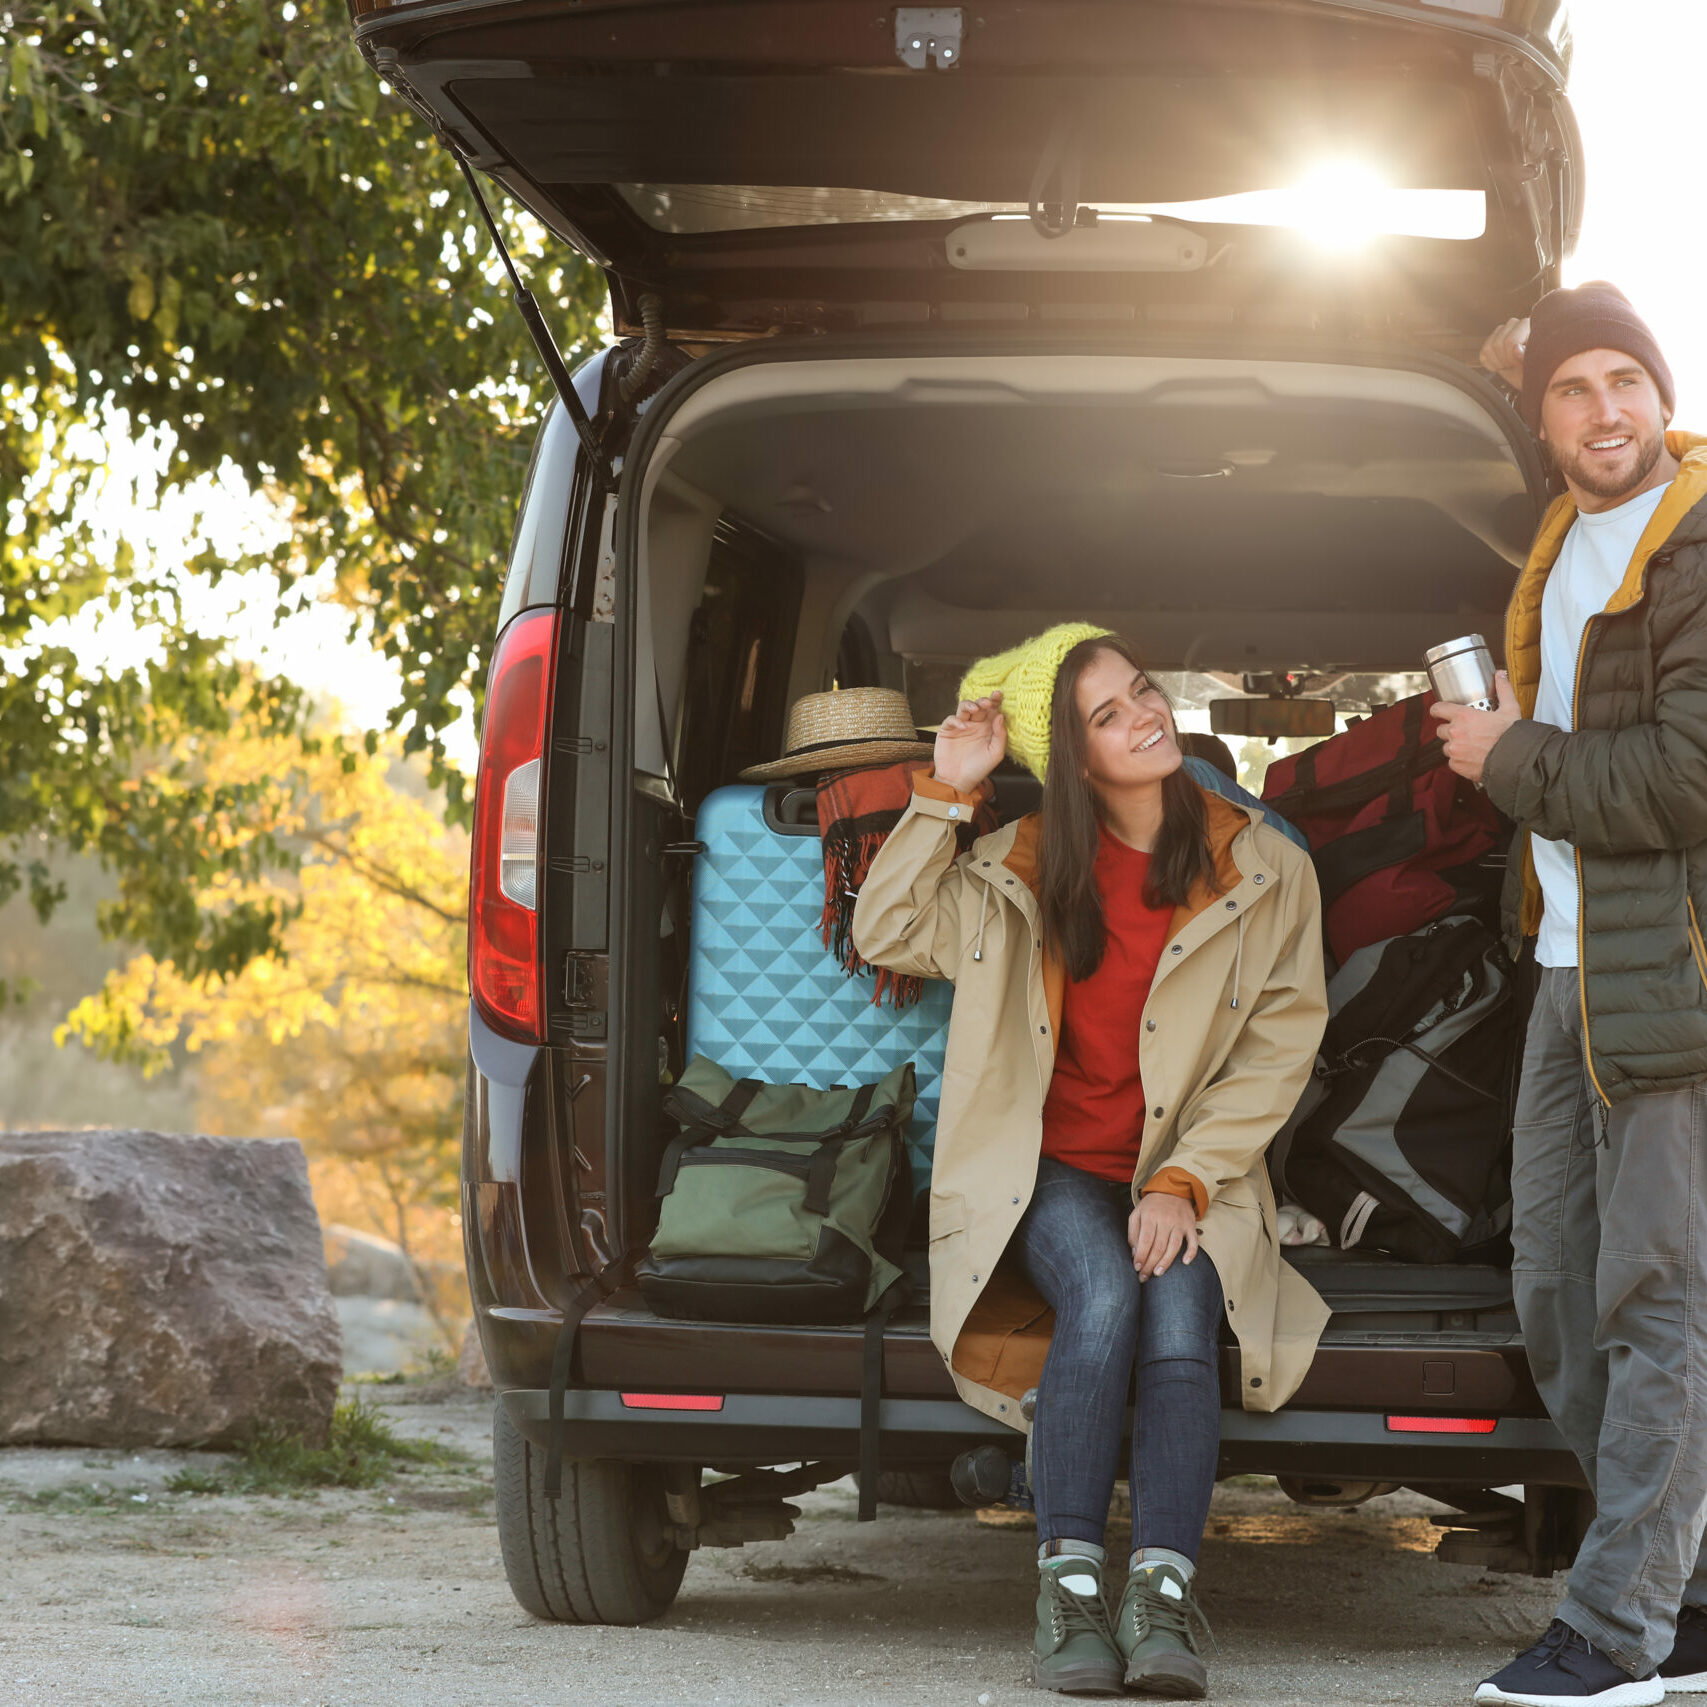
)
(1272, 719)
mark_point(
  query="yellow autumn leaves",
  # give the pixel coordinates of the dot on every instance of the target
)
(352, 1039)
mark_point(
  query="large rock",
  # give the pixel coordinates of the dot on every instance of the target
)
(160, 1291)
(363, 1265)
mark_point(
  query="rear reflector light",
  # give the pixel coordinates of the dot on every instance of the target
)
(504, 973)
(673, 1401)
(1442, 1425)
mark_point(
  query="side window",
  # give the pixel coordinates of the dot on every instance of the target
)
(735, 686)
(856, 657)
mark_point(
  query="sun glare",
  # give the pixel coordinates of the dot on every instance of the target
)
(1342, 204)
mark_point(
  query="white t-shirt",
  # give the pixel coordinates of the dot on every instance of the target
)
(1591, 567)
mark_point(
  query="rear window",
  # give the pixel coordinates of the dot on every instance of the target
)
(1347, 202)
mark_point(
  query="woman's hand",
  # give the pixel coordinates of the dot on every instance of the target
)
(1159, 1228)
(971, 742)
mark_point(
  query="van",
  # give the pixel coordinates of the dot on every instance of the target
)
(936, 326)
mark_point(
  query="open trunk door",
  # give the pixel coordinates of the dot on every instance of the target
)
(1365, 166)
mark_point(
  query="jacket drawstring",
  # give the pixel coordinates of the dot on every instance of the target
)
(983, 912)
(1238, 962)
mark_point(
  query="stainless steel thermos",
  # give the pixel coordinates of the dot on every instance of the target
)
(1462, 672)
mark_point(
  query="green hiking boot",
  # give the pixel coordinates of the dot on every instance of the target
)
(1154, 1633)
(1073, 1651)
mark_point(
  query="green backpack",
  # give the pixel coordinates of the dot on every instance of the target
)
(780, 1203)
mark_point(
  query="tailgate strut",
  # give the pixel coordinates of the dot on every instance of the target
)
(528, 308)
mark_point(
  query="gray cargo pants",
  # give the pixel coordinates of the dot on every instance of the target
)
(1610, 1273)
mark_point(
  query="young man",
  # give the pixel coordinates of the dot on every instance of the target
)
(1598, 751)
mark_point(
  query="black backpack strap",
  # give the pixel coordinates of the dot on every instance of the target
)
(1399, 797)
(581, 1300)
(691, 1109)
(1349, 859)
(726, 1117)
(702, 1122)
(738, 1101)
(871, 1395)
(673, 1153)
(823, 1174)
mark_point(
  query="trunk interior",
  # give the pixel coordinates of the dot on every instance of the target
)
(802, 519)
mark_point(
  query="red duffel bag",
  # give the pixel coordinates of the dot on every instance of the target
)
(1398, 840)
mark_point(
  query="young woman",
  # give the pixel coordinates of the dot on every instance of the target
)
(1138, 1001)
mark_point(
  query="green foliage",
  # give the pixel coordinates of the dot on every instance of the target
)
(361, 1451)
(218, 232)
(352, 1039)
(190, 1480)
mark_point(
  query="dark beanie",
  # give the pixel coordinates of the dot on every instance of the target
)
(1594, 316)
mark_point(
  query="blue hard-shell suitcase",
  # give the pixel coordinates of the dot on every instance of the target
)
(765, 998)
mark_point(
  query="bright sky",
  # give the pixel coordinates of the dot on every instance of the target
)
(1636, 88)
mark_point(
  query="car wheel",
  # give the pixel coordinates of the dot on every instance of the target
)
(924, 1489)
(603, 1553)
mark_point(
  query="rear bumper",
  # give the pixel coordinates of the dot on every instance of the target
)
(767, 1428)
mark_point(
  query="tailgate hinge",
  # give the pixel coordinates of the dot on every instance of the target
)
(580, 996)
(928, 35)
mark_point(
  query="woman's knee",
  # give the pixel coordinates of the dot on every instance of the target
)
(1182, 1314)
(1101, 1301)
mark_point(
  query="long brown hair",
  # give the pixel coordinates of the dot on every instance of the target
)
(1073, 923)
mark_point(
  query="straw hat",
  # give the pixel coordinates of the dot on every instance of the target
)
(843, 731)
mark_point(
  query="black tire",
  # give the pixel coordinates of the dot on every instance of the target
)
(924, 1490)
(602, 1554)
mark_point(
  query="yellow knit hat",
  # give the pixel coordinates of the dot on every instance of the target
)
(1026, 675)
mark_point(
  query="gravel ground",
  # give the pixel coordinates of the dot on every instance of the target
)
(116, 1590)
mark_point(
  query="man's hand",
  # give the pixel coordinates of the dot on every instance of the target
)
(1502, 353)
(971, 742)
(1470, 735)
(1158, 1229)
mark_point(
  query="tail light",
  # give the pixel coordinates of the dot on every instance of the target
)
(1442, 1425)
(504, 971)
(672, 1401)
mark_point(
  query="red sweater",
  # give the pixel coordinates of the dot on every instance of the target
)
(1093, 1117)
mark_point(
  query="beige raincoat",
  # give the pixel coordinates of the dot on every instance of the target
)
(1220, 1079)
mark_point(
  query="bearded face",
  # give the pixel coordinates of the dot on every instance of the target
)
(1603, 424)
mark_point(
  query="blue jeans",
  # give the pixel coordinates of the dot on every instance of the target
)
(1073, 1245)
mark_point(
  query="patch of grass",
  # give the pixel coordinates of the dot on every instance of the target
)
(190, 1480)
(90, 1500)
(362, 1450)
(436, 1360)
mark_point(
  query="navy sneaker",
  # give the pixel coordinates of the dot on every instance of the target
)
(1564, 1666)
(1684, 1670)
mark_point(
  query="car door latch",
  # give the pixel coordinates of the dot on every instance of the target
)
(928, 35)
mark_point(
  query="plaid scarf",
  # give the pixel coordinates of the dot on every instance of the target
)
(856, 812)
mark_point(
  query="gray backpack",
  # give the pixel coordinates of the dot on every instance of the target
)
(1402, 1143)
